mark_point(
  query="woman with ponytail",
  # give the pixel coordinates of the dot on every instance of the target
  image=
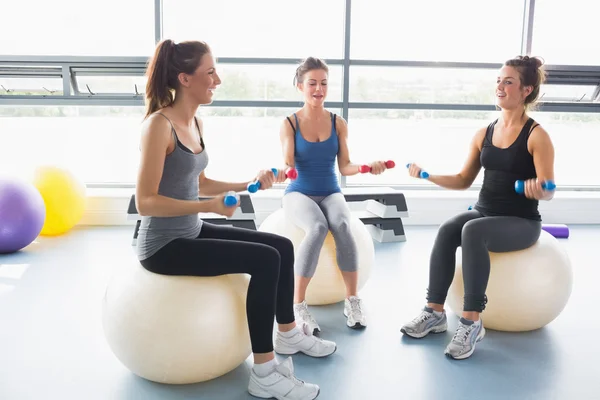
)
(513, 147)
(173, 240)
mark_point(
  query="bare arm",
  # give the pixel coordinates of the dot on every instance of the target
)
(465, 178)
(286, 137)
(541, 148)
(155, 140)
(347, 167)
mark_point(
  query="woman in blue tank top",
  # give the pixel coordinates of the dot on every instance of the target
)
(511, 148)
(312, 139)
(174, 241)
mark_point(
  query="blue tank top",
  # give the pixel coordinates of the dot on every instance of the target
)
(315, 163)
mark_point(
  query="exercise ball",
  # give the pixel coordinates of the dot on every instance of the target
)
(22, 214)
(527, 289)
(64, 196)
(327, 285)
(176, 329)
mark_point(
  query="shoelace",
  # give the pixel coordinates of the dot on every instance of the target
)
(305, 315)
(356, 308)
(424, 316)
(462, 333)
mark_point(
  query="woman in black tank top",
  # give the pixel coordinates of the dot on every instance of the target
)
(513, 147)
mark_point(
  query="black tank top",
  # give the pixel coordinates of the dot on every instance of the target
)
(502, 167)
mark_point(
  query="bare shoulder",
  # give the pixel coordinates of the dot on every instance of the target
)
(341, 125)
(156, 128)
(539, 138)
(479, 136)
(286, 124)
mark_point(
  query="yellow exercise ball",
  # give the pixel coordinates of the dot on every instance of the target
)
(527, 289)
(64, 196)
(176, 329)
(327, 285)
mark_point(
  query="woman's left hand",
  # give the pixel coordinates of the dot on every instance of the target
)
(533, 190)
(266, 178)
(377, 167)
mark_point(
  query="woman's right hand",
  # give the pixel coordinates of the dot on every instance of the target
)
(414, 170)
(219, 207)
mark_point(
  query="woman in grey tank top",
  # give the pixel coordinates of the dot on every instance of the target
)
(173, 240)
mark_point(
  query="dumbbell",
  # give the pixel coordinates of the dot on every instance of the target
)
(363, 169)
(546, 185)
(422, 174)
(291, 173)
(231, 199)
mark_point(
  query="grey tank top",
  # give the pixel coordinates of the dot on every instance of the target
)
(179, 181)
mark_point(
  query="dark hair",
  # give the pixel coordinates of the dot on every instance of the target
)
(532, 73)
(309, 64)
(169, 60)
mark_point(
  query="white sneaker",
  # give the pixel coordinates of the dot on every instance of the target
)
(354, 312)
(281, 384)
(303, 341)
(301, 314)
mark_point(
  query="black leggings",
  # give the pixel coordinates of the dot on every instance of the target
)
(477, 235)
(220, 250)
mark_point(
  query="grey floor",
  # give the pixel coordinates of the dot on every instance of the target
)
(52, 345)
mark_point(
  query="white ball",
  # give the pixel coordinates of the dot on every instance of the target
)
(176, 329)
(527, 289)
(327, 285)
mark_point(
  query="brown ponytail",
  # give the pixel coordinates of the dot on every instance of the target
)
(170, 60)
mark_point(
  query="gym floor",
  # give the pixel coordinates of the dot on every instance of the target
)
(53, 345)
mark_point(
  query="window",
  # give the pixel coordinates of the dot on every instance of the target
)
(437, 30)
(242, 141)
(567, 93)
(260, 28)
(31, 85)
(63, 27)
(566, 33)
(422, 85)
(268, 82)
(438, 141)
(110, 83)
(576, 140)
(99, 144)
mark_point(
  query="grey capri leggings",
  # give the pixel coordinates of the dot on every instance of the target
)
(316, 215)
(477, 235)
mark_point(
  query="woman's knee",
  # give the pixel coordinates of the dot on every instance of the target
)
(341, 226)
(318, 231)
(449, 231)
(472, 231)
(268, 262)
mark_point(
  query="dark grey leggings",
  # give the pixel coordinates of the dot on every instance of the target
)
(476, 235)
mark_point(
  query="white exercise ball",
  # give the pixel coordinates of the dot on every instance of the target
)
(176, 329)
(327, 285)
(527, 289)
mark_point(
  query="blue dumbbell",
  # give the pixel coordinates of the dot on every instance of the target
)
(254, 186)
(422, 174)
(231, 199)
(520, 186)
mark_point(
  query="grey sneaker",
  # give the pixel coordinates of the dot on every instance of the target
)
(301, 314)
(424, 323)
(467, 335)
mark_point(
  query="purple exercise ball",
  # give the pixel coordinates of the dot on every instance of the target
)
(22, 214)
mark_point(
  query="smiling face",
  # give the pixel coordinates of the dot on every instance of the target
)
(510, 93)
(201, 84)
(314, 87)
